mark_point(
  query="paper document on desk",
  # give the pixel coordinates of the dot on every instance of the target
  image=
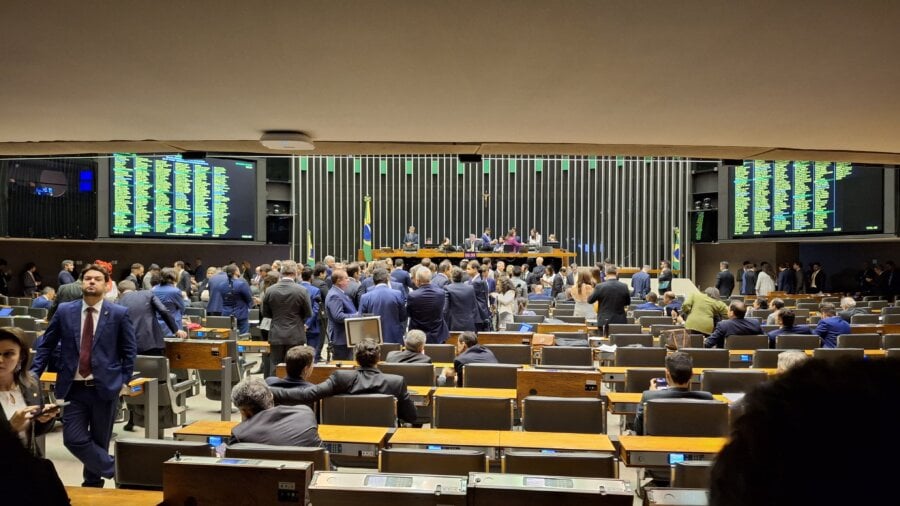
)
(609, 348)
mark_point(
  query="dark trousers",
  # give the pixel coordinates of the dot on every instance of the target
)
(341, 352)
(312, 340)
(87, 429)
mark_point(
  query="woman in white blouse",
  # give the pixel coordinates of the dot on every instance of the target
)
(506, 301)
(20, 396)
(534, 237)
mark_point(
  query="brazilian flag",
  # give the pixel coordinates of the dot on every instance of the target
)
(676, 250)
(367, 230)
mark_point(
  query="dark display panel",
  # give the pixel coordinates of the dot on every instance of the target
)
(803, 198)
(704, 226)
(170, 197)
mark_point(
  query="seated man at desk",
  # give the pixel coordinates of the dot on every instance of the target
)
(414, 342)
(265, 423)
(786, 319)
(537, 293)
(365, 379)
(735, 325)
(468, 351)
(298, 363)
(679, 370)
(650, 303)
(830, 326)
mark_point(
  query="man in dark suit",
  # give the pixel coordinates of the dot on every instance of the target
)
(365, 379)
(468, 351)
(830, 326)
(848, 309)
(785, 281)
(786, 318)
(299, 362)
(287, 304)
(748, 279)
(217, 286)
(411, 238)
(614, 296)
(145, 311)
(320, 271)
(816, 279)
(724, 280)
(735, 325)
(442, 278)
(414, 342)
(313, 323)
(679, 370)
(425, 308)
(400, 276)
(95, 365)
(65, 275)
(265, 423)
(386, 303)
(339, 307)
(480, 286)
(184, 278)
(460, 309)
(640, 282)
(136, 275)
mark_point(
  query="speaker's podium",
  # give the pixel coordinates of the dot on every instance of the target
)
(490, 489)
(211, 480)
(385, 489)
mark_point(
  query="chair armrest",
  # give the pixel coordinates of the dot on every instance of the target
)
(184, 386)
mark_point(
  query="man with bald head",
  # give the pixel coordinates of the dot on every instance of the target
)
(425, 308)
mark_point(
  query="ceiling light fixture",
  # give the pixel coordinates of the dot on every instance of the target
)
(287, 140)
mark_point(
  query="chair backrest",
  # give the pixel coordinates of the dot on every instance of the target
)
(570, 319)
(511, 353)
(878, 304)
(797, 341)
(195, 311)
(589, 464)
(490, 375)
(638, 380)
(562, 311)
(541, 311)
(520, 318)
(583, 415)
(720, 381)
(623, 328)
(440, 462)
(21, 310)
(387, 348)
(766, 358)
(831, 299)
(154, 367)
(640, 357)
(657, 329)
(567, 355)
(25, 322)
(538, 303)
(38, 312)
(839, 353)
(685, 417)
(317, 455)
(220, 322)
(374, 410)
(864, 341)
(892, 353)
(864, 318)
(691, 474)
(746, 342)
(639, 313)
(139, 462)
(890, 341)
(809, 306)
(708, 357)
(890, 310)
(441, 352)
(645, 340)
(649, 321)
(465, 412)
(6, 321)
(414, 374)
(579, 338)
(891, 319)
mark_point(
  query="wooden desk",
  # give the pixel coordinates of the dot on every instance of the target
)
(616, 374)
(556, 441)
(653, 451)
(625, 403)
(496, 393)
(253, 347)
(504, 337)
(86, 496)
(434, 254)
(553, 328)
(487, 441)
(557, 383)
(146, 387)
(421, 395)
(204, 355)
(202, 429)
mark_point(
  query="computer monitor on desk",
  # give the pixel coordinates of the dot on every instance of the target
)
(361, 328)
(551, 244)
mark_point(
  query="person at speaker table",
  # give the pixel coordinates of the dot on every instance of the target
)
(679, 371)
(724, 280)
(386, 303)
(411, 238)
(413, 352)
(486, 239)
(534, 238)
(786, 319)
(265, 423)
(735, 325)
(97, 359)
(21, 406)
(650, 304)
(364, 379)
(640, 282)
(830, 326)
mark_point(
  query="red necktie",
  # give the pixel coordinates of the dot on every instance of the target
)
(87, 340)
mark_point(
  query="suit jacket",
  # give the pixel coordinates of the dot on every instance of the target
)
(113, 350)
(289, 382)
(217, 286)
(440, 280)
(640, 283)
(818, 279)
(65, 277)
(288, 305)
(613, 296)
(388, 304)
(481, 299)
(664, 280)
(785, 281)
(556, 286)
(725, 283)
(407, 357)
(425, 308)
(848, 314)
(145, 311)
(315, 299)
(731, 327)
(42, 302)
(362, 380)
(460, 309)
(748, 283)
(702, 311)
(796, 329)
(32, 395)
(411, 239)
(339, 307)
(236, 299)
(477, 354)
(829, 328)
(402, 277)
(669, 393)
(172, 300)
(184, 283)
(281, 426)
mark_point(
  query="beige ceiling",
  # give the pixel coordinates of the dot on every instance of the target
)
(812, 79)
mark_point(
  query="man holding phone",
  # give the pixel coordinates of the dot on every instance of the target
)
(677, 384)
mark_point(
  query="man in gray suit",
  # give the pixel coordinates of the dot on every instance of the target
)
(414, 353)
(265, 423)
(287, 304)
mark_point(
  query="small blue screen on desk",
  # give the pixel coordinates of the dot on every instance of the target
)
(548, 451)
(675, 458)
(214, 440)
(201, 334)
(435, 447)
(745, 358)
(240, 349)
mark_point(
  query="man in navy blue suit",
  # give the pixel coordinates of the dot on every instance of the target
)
(381, 300)
(460, 310)
(217, 285)
(339, 307)
(98, 350)
(640, 283)
(735, 325)
(831, 325)
(425, 307)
